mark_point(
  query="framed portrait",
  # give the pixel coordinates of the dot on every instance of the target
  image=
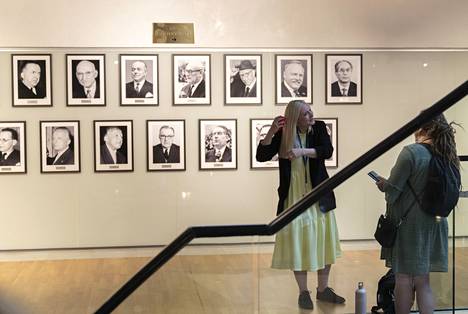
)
(243, 79)
(332, 129)
(12, 147)
(32, 80)
(139, 80)
(166, 144)
(60, 146)
(113, 145)
(258, 130)
(293, 78)
(86, 82)
(343, 79)
(191, 79)
(218, 144)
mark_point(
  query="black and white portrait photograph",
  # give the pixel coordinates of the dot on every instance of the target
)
(218, 144)
(138, 80)
(344, 79)
(243, 79)
(32, 80)
(113, 145)
(12, 147)
(258, 130)
(166, 144)
(86, 80)
(191, 79)
(332, 129)
(60, 146)
(293, 78)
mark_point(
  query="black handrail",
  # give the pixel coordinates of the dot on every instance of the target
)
(288, 215)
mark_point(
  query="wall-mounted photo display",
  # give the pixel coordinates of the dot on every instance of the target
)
(166, 144)
(86, 83)
(60, 146)
(139, 80)
(258, 130)
(32, 80)
(191, 79)
(218, 144)
(293, 78)
(344, 78)
(12, 147)
(332, 129)
(243, 79)
(113, 145)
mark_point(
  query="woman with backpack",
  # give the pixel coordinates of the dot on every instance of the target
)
(421, 244)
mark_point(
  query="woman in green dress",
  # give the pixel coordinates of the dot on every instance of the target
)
(310, 242)
(421, 245)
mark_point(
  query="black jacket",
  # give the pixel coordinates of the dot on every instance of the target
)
(319, 139)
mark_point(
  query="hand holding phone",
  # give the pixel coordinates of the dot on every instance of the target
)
(374, 176)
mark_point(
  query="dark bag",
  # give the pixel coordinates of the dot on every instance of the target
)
(385, 296)
(386, 231)
(442, 188)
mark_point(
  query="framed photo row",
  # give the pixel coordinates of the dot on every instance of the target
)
(60, 146)
(343, 79)
(191, 79)
(13, 147)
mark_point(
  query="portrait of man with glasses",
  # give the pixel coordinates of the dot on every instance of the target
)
(166, 151)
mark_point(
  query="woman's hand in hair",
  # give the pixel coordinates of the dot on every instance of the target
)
(278, 123)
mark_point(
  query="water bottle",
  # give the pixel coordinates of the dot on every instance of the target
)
(360, 302)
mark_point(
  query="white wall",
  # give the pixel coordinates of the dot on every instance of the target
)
(141, 208)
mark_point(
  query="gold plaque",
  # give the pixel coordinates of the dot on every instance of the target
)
(173, 33)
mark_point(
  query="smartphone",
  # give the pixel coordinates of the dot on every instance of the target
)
(374, 175)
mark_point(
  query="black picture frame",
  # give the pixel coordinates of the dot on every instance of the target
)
(207, 159)
(176, 159)
(16, 163)
(348, 63)
(235, 88)
(76, 92)
(120, 131)
(200, 95)
(31, 80)
(148, 93)
(288, 68)
(62, 153)
(258, 129)
(332, 129)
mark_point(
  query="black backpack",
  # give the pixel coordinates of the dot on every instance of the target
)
(442, 188)
(385, 297)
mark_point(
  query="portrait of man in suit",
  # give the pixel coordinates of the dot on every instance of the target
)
(86, 75)
(62, 151)
(10, 156)
(139, 87)
(195, 76)
(293, 77)
(166, 151)
(220, 152)
(244, 83)
(343, 86)
(111, 149)
(30, 85)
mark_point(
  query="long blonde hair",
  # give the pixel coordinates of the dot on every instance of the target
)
(288, 138)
